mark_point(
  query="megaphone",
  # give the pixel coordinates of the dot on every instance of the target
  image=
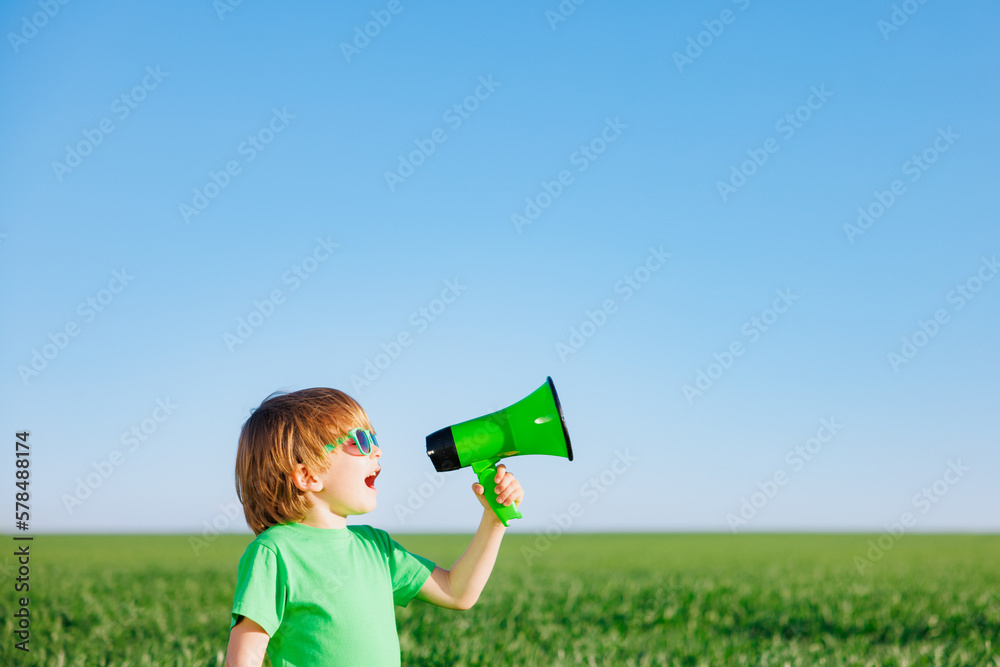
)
(533, 425)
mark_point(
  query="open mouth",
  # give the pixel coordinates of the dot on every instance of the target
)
(370, 479)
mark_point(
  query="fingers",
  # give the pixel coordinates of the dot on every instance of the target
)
(508, 489)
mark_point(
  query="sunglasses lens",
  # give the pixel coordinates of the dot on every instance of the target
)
(364, 442)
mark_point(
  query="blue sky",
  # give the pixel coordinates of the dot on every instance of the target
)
(738, 138)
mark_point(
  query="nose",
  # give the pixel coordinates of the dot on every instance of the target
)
(376, 452)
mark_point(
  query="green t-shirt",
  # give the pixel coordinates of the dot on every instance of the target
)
(325, 595)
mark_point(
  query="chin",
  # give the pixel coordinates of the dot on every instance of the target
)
(365, 508)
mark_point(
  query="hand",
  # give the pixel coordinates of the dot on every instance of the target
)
(508, 489)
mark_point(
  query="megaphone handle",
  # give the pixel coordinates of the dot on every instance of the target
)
(486, 471)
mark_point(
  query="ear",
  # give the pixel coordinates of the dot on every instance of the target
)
(305, 480)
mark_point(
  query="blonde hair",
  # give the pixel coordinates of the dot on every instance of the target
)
(285, 430)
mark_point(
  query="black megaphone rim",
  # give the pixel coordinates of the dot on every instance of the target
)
(562, 418)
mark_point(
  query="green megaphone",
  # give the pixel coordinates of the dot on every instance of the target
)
(533, 425)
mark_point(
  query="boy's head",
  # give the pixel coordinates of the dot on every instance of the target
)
(283, 465)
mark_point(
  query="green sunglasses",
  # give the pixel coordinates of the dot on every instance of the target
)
(357, 442)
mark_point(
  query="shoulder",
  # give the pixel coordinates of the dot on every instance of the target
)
(378, 540)
(271, 539)
(372, 534)
(368, 532)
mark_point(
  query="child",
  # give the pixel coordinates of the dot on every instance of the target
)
(310, 589)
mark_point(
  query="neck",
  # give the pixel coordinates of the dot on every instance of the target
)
(322, 517)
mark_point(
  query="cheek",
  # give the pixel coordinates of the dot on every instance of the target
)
(343, 476)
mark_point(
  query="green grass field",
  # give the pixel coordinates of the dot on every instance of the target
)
(583, 599)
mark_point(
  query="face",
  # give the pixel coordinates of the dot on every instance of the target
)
(349, 482)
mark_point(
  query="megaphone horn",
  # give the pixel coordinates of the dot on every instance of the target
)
(533, 425)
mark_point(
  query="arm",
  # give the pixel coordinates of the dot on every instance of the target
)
(459, 587)
(247, 644)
